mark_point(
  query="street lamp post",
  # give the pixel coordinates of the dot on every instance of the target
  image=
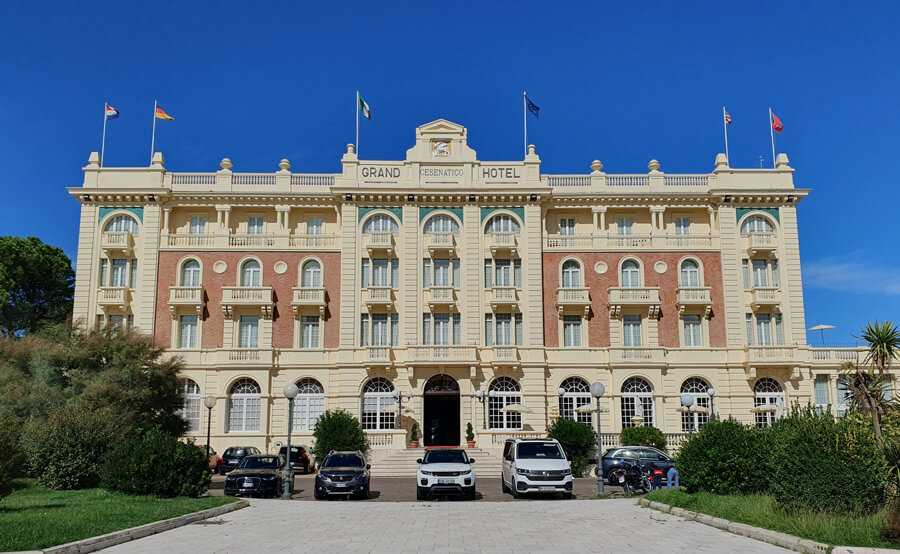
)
(479, 394)
(210, 403)
(290, 392)
(398, 398)
(597, 390)
(712, 401)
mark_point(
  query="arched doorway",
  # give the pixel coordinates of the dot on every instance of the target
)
(441, 423)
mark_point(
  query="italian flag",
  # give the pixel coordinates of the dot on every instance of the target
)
(364, 108)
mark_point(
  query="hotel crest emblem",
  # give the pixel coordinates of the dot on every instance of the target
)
(440, 148)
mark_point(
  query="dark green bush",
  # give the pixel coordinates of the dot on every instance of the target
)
(823, 464)
(10, 453)
(577, 440)
(65, 449)
(725, 457)
(156, 463)
(644, 435)
(338, 430)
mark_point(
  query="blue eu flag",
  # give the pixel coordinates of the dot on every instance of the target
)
(532, 107)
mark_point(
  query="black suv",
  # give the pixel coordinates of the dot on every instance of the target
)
(344, 474)
(233, 456)
(627, 455)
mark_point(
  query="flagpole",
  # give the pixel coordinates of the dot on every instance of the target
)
(356, 144)
(725, 126)
(772, 133)
(153, 136)
(525, 119)
(103, 143)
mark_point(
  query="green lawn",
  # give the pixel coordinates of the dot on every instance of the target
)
(34, 517)
(760, 511)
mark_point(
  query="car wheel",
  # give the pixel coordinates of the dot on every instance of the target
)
(503, 486)
(471, 494)
(317, 495)
(515, 491)
(364, 495)
(611, 477)
(221, 469)
(421, 493)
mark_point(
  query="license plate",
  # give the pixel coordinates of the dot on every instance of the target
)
(621, 478)
(545, 489)
(341, 485)
(446, 481)
(248, 483)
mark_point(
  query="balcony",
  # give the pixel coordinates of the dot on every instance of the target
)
(504, 297)
(644, 298)
(629, 241)
(307, 297)
(503, 243)
(443, 354)
(187, 297)
(117, 242)
(191, 241)
(638, 355)
(377, 355)
(689, 241)
(440, 242)
(761, 243)
(313, 242)
(379, 241)
(568, 242)
(379, 297)
(694, 299)
(247, 297)
(113, 297)
(244, 356)
(577, 298)
(441, 297)
(765, 298)
(771, 356)
(255, 241)
(506, 355)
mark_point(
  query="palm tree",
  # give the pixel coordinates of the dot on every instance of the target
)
(884, 344)
(868, 386)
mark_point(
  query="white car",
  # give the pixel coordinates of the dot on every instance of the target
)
(535, 465)
(445, 471)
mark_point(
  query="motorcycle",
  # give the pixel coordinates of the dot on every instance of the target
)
(633, 478)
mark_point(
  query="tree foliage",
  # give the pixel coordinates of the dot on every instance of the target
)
(644, 435)
(36, 285)
(577, 441)
(338, 430)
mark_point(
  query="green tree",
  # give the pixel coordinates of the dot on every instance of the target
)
(577, 441)
(36, 285)
(644, 435)
(338, 430)
(867, 383)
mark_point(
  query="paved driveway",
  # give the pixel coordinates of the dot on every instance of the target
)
(397, 527)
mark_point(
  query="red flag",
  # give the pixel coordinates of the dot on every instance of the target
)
(727, 117)
(776, 124)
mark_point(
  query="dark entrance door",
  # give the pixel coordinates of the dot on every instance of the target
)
(441, 424)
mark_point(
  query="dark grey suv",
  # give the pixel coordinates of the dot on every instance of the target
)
(342, 474)
(626, 455)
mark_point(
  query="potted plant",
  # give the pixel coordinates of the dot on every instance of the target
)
(414, 436)
(470, 436)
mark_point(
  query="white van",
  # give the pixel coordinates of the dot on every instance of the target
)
(535, 465)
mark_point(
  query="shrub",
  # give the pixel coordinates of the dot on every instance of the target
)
(470, 434)
(823, 464)
(10, 453)
(414, 432)
(156, 463)
(65, 450)
(338, 430)
(577, 441)
(725, 457)
(644, 435)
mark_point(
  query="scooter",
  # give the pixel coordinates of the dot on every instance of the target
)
(633, 478)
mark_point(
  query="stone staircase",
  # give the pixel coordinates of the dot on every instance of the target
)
(402, 463)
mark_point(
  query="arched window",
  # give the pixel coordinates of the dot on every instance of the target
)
(190, 274)
(378, 410)
(311, 276)
(502, 224)
(243, 407)
(768, 399)
(190, 408)
(690, 274)
(503, 392)
(637, 400)
(577, 394)
(380, 223)
(308, 405)
(251, 274)
(696, 387)
(756, 224)
(571, 274)
(631, 274)
(122, 224)
(441, 224)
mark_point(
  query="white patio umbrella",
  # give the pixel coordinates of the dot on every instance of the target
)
(821, 328)
(516, 408)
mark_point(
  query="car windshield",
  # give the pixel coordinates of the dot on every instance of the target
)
(343, 460)
(259, 462)
(236, 452)
(446, 457)
(540, 451)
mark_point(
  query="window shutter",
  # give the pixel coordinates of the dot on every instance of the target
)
(488, 330)
(395, 273)
(517, 273)
(365, 272)
(487, 273)
(456, 329)
(518, 321)
(426, 273)
(455, 273)
(426, 328)
(395, 329)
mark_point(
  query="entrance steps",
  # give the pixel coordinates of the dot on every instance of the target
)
(402, 463)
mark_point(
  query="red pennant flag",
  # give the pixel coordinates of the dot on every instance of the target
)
(776, 124)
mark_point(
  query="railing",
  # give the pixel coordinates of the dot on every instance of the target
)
(503, 240)
(841, 354)
(686, 180)
(500, 438)
(440, 240)
(577, 296)
(113, 295)
(629, 241)
(247, 295)
(191, 240)
(568, 241)
(454, 353)
(380, 239)
(193, 178)
(569, 180)
(253, 179)
(637, 353)
(116, 240)
(312, 180)
(634, 295)
(312, 241)
(694, 295)
(506, 353)
(185, 295)
(442, 294)
(251, 240)
(309, 295)
(380, 439)
(503, 294)
(627, 180)
(767, 295)
(769, 353)
(763, 240)
(244, 355)
(380, 293)
(689, 241)
(379, 353)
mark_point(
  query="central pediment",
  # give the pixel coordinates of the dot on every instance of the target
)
(441, 141)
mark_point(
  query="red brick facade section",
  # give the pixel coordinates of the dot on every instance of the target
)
(598, 318)
(282, 285)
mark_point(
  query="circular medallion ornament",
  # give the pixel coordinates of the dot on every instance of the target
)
(220, 266)
(660, 267)
(280, 268)
(600, 267)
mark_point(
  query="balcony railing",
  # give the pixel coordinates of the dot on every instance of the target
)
(180, 240)
(117, 241)
(638, 354)
(502, 241)
(689, 241)
(113, 296)
(763, 241)
(381, 354)
(379, 240)
(839, 354)
(251, 240)
(443, 353)
(634, 295)
(694, 297)
(441, 296)
(185, 295)
(440, 241)
(565, 242)
(770, 354)
(766, 296)
(575, 297)
(247, 295)
(569, 180)
(629, 241)
(312, 241)
(239, 356)
(309, 296)
(379, 296)
(506, 353)
(627, 181)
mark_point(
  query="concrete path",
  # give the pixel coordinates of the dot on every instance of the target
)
(397, 527)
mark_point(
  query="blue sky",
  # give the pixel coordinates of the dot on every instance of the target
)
(622, 82)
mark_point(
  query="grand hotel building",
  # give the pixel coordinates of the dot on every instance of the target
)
(444, 290)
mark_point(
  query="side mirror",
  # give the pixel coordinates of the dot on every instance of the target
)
(471, 461)
(419, 461)
(368, 466)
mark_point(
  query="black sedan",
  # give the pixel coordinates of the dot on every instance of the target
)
(256, 476)
(233, 456)
(343, 474)
(627, 455)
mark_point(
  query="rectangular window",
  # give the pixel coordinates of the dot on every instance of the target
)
(572, 331)
(518, 329)
(188, 334)
(365, 273)
(426, 273)
(502, 273)
(442, 273)
(364, 330)
(625, 226)
(456, 273)
(567, 226)
(745, 266)
(198, 225)
(380, 273)
(488, 330)
(682, 226)
(116, 321)
(457, 331)
(749, 319)
(632, 327)
(821, 392)
(517, 273)
(380, 330)
(309, 331)
(134, 274)
(774, 268)
(779, 330)
(395, 330)
(488, 270)
(441, 329)
(119, 273)
(760, 279)
(503, 330)
(255, 226)
(249, 332)
(426, 328)
(693, 332)
(395, 273)
(314, 226)
(843, 394)
(104, 272)
(763, 330)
